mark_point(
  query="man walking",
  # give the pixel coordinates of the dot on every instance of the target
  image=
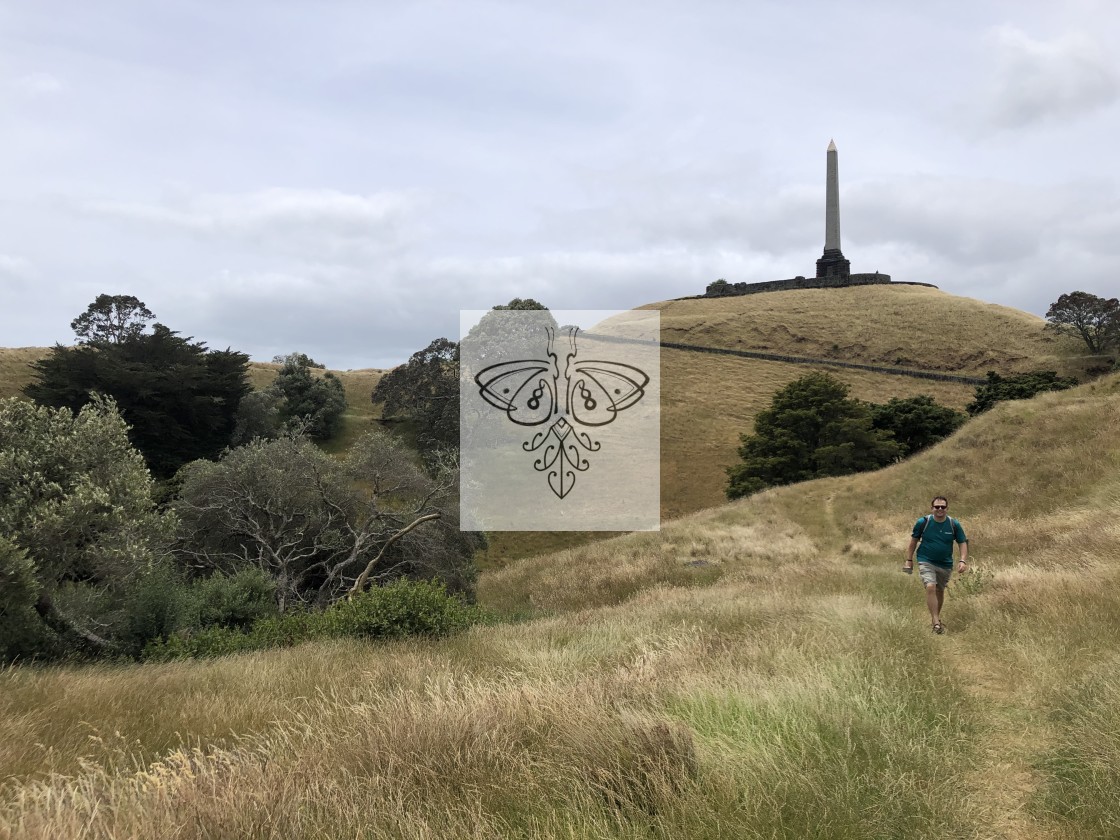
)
(933, 536)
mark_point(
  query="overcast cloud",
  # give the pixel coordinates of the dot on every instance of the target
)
(342, 177)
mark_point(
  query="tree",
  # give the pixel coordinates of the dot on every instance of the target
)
(521, 305)
(298, 359)
(22, 633)
(178, 398)
(812, 429)
(315, 402)
(258, 416)
(112, 319)
(511, 334)
(320, 527)
(77, 520)
(1022, 386)
(1094, 319)
(916, 422)
(425, 390)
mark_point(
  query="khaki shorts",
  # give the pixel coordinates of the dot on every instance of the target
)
(938, 575)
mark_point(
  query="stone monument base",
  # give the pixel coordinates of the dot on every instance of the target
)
(833, 264)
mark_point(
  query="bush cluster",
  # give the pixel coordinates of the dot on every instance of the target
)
(402, 609)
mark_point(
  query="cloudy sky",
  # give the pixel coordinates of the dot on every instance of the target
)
(341, 178)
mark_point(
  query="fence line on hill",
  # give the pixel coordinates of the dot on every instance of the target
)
(797, 360)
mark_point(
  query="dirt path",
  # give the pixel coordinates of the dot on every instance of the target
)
(1012, 733)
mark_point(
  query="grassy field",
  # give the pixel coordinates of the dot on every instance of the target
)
(757, 670)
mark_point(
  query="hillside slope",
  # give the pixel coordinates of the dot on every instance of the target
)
(762, 669)
(709, 400)
(904, 326)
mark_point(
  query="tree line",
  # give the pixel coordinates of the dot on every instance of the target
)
(814, 429)
(148, 493)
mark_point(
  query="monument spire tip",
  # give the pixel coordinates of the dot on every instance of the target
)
(831, 145)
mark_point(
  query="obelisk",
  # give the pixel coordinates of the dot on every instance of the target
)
(832, 263)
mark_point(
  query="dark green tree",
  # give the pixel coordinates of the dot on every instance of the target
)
(1021, 386)
(521, 305)
(316, 402)
(112, 319)
(258, 416)
(1095, 320)
(916, 422)
(22, 632)
(425, 391)
(812, 429)
(298, 359)
(178, 398)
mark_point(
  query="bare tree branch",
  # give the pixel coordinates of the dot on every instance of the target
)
(360, 583)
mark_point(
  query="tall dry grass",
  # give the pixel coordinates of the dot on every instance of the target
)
(762, 669)
(904, 326)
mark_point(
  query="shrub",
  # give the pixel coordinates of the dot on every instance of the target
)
(403, 608)
(22, 633)
(400, 610)
(236, 601)
(1021, 386)
(158, 605)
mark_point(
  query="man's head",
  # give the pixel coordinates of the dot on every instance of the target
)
(940, 505)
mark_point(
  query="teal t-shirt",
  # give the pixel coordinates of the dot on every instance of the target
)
(937, 541)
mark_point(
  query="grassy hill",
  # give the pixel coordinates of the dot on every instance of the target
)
(903, 326)
(15, 368)
(760, 669)
(709, 400)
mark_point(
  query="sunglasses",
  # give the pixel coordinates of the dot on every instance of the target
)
(940, 507)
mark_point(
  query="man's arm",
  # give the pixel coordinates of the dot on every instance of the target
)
(964, 554)
(910, 551)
